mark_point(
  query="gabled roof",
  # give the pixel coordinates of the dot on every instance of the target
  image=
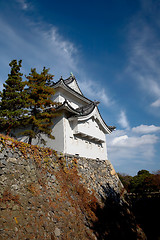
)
(66, 106)
(84, 113)
(70, 85)
(85, 110)
(93, 111)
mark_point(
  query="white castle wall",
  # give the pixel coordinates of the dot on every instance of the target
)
(83, 146)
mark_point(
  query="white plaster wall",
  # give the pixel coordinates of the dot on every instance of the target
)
(91, 128)
(82, 147)
(74, 86)
(63, 131)
(85, 148)
(57, 131)
(60, 96)
(66, 142)
(17, 134)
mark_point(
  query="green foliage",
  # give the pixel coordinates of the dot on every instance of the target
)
(13, 99)
(144, 181)
(138, 183)
(125, 179)
(143, 173)
(40, 105)
(31, 108)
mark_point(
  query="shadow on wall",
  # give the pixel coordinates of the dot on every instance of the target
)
(115, 220)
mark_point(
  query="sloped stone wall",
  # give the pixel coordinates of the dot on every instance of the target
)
(98, 175)
(44, 195)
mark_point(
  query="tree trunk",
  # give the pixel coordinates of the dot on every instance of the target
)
(9, 130)
(30, 140)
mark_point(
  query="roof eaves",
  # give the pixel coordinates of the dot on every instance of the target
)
(66, 106)
(62, 82)
(72, 79)
(111, 128)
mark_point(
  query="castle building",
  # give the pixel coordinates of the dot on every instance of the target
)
(80, 129)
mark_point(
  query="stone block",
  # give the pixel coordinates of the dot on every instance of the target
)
(28, 168)
(15, 186)
(12, 160)
(57, 232)
(1, 155)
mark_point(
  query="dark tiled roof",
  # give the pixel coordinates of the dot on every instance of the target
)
(81, 111)
(69, 107)
(68, 81)
(85, 110)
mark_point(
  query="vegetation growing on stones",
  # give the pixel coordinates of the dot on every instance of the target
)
(44, 197)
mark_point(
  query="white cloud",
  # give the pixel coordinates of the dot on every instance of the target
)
(123, 120)
(45, 46)
(144, 129)
(134, 142)
(156, 103)
(1, 85)
(94, 91)
(121, 139)
(23, 3)
(63, 51)
(40, 48)
(131, 151)
(144, 51)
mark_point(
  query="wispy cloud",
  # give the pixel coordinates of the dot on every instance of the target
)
(40, 48)
(95, 91)
(40, 44)
(144, 51)
(24, 4)
(123, 120)
(156, 103)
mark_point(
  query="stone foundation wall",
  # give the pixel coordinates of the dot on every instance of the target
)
(43, 195)
(98, 175)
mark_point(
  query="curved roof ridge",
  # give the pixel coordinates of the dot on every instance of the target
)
(88, 113)
(68, 106)
(87, 109)
(71, 79)
(111, 128)
(69, 88)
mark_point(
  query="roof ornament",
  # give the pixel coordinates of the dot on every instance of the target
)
(72, 76)
(96, 102)
(61, 78)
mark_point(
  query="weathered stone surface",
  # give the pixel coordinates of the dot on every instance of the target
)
(12, 160)
(57, 232)
(36, 201)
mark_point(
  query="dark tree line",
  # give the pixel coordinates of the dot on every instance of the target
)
(28, 103)
(144, 181)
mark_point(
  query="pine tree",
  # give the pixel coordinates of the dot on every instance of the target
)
(13, 99)
(40, 106)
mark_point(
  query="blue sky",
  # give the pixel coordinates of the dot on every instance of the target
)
(113, 49)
